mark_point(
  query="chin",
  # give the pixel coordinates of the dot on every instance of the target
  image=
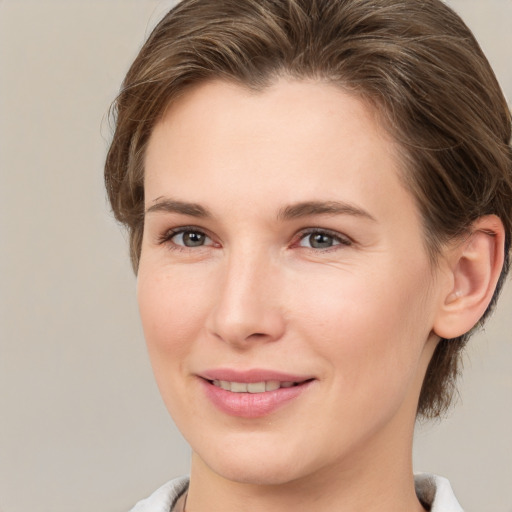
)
(255, 463)
(269, 473)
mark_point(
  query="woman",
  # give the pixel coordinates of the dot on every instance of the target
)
(318, 195)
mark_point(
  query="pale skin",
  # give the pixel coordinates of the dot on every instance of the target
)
(279, 236)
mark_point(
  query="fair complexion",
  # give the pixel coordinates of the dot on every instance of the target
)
(281, 246)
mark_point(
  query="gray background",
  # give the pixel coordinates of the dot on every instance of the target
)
(82, 427)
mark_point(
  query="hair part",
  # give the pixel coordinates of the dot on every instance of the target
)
(416, 63)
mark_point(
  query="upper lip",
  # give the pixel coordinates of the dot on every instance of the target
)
(252, 375)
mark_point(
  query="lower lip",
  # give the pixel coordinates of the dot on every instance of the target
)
(252, 405)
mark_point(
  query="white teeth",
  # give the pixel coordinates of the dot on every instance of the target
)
(272, 385)
(238, 387)
(252, 387)
(256, 387)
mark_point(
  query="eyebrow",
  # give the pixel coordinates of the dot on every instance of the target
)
(308, 208)
(161, 204)
(293, 211)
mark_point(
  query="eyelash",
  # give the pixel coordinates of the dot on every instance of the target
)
(339, 239)
(166, 238)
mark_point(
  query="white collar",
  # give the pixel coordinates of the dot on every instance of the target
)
(431, 489)
(437, 492)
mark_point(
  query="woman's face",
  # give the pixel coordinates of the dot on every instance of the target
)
(284, 287)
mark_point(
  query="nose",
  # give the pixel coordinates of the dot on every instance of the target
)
(246, 308)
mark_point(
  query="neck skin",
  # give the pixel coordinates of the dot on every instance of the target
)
(376, 477)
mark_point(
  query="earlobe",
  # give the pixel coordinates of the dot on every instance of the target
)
(475, 267)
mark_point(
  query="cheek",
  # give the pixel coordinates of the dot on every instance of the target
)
(371, 326)
(172, 310)
(172, 314)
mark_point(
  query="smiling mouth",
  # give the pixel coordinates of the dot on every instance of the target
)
(253, 393)
(254, 387)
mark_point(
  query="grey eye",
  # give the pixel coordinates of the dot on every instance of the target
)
(319, 241)
(191, 239)
(322, 239)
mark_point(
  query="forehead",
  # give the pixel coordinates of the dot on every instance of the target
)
(222, 117)
(293, 141)
(304, 105)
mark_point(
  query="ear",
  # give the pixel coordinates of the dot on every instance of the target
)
(474, 265)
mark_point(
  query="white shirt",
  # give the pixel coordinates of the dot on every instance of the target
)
(431, 489)
(437, 492)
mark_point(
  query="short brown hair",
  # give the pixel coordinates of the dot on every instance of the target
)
(416, 62)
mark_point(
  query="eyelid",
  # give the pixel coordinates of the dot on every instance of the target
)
(166, 237)
(341, 238)
(169, 234)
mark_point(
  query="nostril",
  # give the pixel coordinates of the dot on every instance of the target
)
(242, 321)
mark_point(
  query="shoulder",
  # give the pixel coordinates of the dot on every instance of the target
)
(437, 492)
(164, 498)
